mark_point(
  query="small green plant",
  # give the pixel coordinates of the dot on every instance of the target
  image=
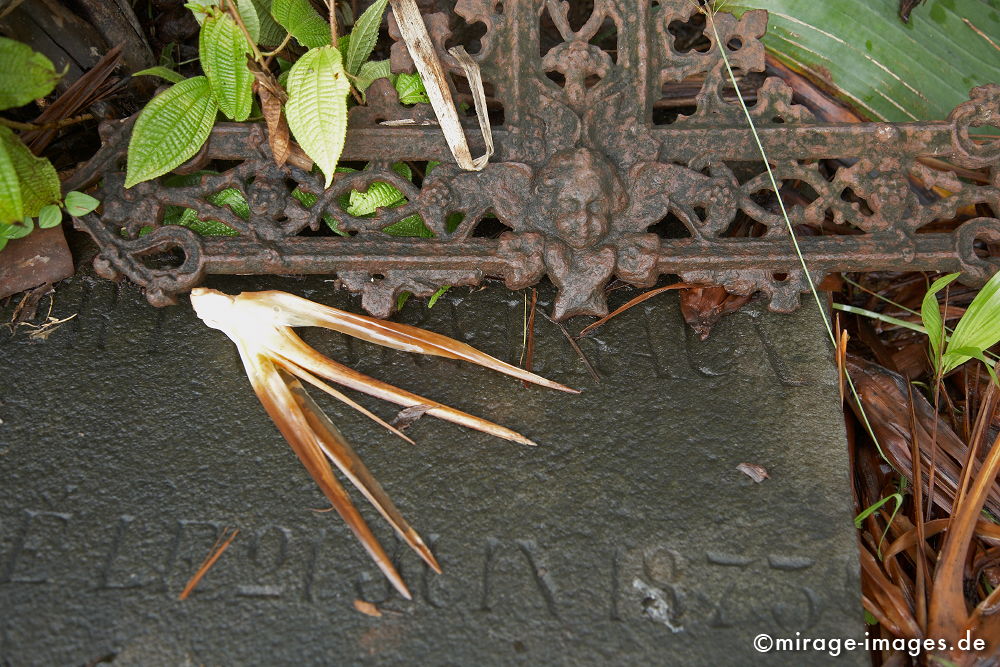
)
(313, 93)
(29, 186)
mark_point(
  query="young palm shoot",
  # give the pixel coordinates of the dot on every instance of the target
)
(277, 360)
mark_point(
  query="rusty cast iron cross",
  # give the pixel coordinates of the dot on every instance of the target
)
(586, 170)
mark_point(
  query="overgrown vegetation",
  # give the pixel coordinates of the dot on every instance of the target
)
(29, 185)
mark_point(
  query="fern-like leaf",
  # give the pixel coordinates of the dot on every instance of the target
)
(25, 74)
(223, 50)
(170, 130)
(299, 18)
(364, 34)
(317, 106)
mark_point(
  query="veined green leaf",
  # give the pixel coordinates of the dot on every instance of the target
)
(370, 72)
(299, 18)
(80, 203)
(11, 203)
(162, 72)
(410, 88)
(364, 34)
(979, 328)
(412, 225)
(317, 106)
(271, 33)
(251, 21)
(49, 216)
(17, 230)
(25, 74)
(38, 179)
(930, 313)
(224, 50)
(884, 68)
(171, 129)
(378, 195)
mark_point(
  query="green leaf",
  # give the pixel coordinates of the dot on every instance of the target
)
(884, 68)
(3, 239)
(930, 313)
(250, 18)
(979, 328)
(317, 106)
(271, 33)
(364, 34)
(412, 225)
(79, 203)
(299, 18)
(49, 216)
(17, 230)
(224, 50)
(378, 195)
(162, 72)
(36, 176)
(234, 199)
(11, 202)
(25, 74)
(370, 72)
(410, 88)
(170, 130)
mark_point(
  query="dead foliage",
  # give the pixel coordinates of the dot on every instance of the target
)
(925, 481)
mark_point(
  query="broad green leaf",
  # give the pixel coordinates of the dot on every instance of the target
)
(3, 239)
(80, 203)
(364, 34)
(317, 106)
(162, 72)
(17, 230)
(36, 176)
(930, 313)
(251, 21)
(884, 68)
(412, 225)
(271, 34)
(370, 72)
(49, 216)
(410, 88)
(378, 195)
(25, 74)
(979, 328)
(224, 50)
(246, 8)
(170, 130)
(299, 18)
(11, 202)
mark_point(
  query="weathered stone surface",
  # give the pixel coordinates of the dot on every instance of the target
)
(130, 437)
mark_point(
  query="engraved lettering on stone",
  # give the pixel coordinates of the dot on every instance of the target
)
(499, 556)
(106, 576)
(36, 548)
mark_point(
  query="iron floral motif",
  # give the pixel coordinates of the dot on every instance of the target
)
(584, 173)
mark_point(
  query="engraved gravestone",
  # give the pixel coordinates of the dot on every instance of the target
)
(130, 439)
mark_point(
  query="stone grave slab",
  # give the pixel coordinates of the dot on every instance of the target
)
(130, 438)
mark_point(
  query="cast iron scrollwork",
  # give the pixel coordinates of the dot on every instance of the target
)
(584, 179)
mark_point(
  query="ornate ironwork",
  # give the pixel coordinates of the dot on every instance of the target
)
(584, 173)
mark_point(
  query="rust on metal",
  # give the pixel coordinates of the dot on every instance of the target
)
(591, 178)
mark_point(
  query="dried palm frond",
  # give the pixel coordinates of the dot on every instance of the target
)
(276, 359)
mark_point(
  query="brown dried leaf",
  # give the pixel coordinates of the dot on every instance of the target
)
(703, 307)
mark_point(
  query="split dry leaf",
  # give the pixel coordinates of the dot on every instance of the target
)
(885, 399)
(277, 360)
(703, 307)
